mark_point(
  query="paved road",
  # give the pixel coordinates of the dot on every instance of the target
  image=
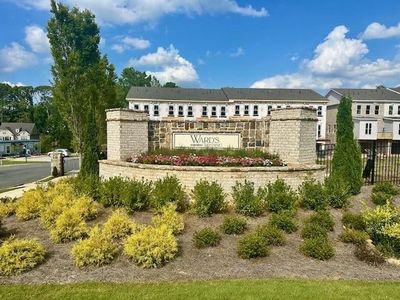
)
(15, 175)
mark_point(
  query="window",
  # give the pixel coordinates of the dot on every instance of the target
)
(190, 111)
(334, 128)
(204, 111)
(136, 106)
(171, 111)
(390, 109)
(223, 111)
(278, 106)
(146, 108)
(329, 128)
(319, 130)
(269, 109)
(246, 110)
(319, 111)
(213, 111)
(237, 110)
(255, 110)
(358, 109)
(377, 109)
(367, 109)
(180, 111)
(156, 111)
(398, 109)
(368, 128)
(399, 130)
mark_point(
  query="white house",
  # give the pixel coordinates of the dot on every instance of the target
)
(18, 134)
(224, 103)
(376, 115)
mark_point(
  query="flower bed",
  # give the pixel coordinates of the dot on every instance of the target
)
(221, 158)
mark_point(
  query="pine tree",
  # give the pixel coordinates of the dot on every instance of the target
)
(346, 162)
(90, 165)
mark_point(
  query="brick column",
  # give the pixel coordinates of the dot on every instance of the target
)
(127, 133)
(293, 134)
(57, 164)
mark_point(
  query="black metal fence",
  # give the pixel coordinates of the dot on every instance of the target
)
(380, 159)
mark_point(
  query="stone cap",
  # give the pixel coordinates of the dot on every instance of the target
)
(294, 113)
(126, 114)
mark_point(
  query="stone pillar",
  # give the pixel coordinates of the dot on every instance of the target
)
(293, 134)
(57, 164)
(127, 133)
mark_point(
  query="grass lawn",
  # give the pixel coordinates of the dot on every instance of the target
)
(233, 289)
(9, 162)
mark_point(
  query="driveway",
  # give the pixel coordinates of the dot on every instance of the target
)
(15, 175)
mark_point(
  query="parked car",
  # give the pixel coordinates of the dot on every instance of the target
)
(64, 152)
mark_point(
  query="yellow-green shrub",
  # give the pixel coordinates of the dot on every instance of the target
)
(86, 207)
(98, 249)
(69, 226)
(7, 209)
(30, 204)
(59, 204)
(170, 218)
(19, 255)
(119, 225)
(63, 187)
(152, 246)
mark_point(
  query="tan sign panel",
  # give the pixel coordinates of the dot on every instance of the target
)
(200, 140)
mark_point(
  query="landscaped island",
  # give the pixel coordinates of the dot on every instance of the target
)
(208, 157)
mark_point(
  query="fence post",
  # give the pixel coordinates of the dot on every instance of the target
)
(373, 162)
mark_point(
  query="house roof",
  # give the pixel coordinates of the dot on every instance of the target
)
(29, 127)
(368, 94)
(273, 94)
(161, 93)
(224, 94)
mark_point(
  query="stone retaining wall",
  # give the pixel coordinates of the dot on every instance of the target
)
(254, 132)
(226, 176)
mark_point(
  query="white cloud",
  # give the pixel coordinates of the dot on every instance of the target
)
(14, 57)
(379, 31)
(133, 11)
(37, 39)
(167, 65)
(238, 52)
(338, 61)
(129, 43)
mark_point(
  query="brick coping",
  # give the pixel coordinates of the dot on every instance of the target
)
(289, 168)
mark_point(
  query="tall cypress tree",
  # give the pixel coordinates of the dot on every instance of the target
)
(346, 162)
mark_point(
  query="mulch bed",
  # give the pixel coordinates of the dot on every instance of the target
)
(220, 262)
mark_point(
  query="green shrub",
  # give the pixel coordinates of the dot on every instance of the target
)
(353, 236)
(89, 185)
(69, 226)
(319, 247)
(110, 191)
(246, 202)
(135, 195)
(19, 255)
(151, 247)
(338, 192)
(385, 187)
(369, 254)
(278, 196)
(119, 225)
(206, 237)
(168, 189)
(233, 225)
(272, 235)
(252, 245)
(322, 219)
(381, 198)
(354, 221)
(284, 220)
(313, 230)
(30, 204)
(313, 195)
(170, 218)
(209, 198)
(98, 249)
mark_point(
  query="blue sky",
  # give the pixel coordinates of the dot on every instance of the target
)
(210, 43)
